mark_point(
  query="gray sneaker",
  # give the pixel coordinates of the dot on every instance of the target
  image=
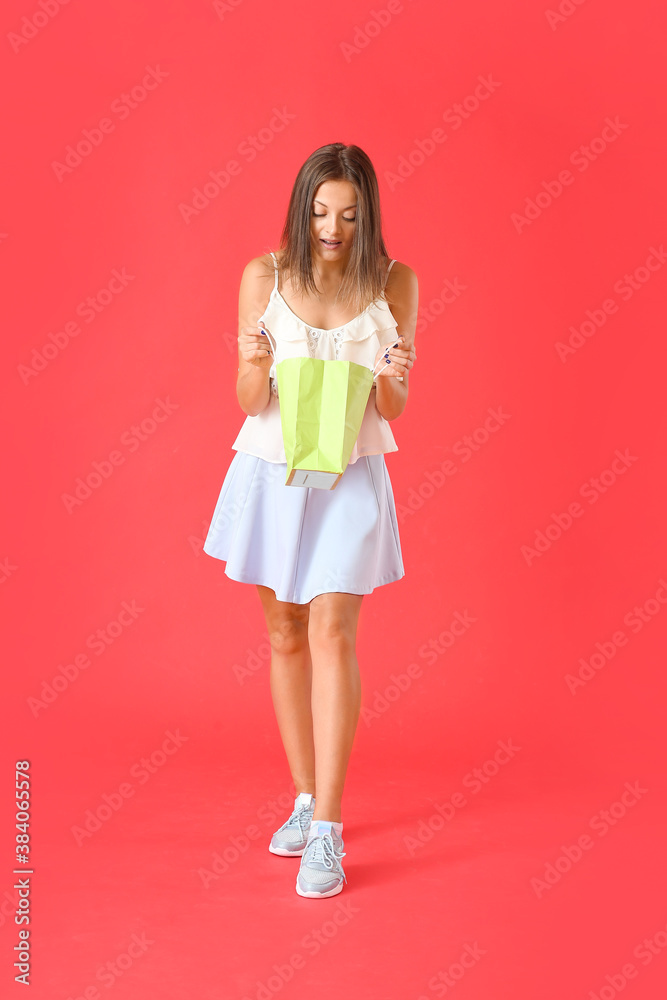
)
(321, 872)
(290, 840)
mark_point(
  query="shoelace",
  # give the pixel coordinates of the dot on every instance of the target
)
(322, 850)
(300, 817)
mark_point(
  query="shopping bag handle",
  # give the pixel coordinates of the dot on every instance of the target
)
(274, 347)
(271, 340)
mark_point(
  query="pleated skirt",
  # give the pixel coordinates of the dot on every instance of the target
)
(301, 541)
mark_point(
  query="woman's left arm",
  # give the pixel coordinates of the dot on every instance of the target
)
(403, 297)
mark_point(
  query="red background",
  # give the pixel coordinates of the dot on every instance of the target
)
(170, 334)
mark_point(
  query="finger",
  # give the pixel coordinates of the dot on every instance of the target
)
(256, 340)
(394, 359)
(253, 333)
(410, 351)
(405, 352)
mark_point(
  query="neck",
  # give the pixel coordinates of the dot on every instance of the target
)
(330, 272)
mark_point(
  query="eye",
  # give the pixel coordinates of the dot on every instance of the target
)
(320, 215)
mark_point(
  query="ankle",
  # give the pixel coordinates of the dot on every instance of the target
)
(317, 826)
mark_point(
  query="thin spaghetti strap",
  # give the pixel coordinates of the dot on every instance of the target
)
(388, 270)
(275, 266)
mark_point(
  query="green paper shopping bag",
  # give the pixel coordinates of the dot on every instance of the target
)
(322, 405)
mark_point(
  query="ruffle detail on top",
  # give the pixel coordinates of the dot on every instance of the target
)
(358, 341)
(341, 343)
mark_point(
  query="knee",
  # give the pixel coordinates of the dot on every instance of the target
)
(290, 635)
(331, 631)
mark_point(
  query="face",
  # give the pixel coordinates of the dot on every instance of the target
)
(332, 220)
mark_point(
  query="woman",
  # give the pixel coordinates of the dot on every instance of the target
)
(313, 553)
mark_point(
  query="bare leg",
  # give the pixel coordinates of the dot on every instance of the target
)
(336, 694)
(291, 678)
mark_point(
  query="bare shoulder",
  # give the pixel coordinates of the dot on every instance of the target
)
(255, 289)
(402, 293)
(402, 284)
(258, 277)
(258, 270)
(401, 273)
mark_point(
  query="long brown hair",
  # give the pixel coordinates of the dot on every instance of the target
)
(364, 277)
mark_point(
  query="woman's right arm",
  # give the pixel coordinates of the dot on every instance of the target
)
(255, 354)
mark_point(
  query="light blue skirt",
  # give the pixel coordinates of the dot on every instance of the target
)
(301, 541)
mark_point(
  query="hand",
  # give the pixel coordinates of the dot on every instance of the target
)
(255, 347)
(401, 359)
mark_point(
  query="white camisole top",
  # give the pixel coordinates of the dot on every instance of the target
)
(359, 340)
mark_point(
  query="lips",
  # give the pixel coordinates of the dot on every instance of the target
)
(331, 243)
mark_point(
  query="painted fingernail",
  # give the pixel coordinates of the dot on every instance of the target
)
(387, 361)
(396, 344)
(262, 333)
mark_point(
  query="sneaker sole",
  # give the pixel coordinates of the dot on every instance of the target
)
(284, 853)
(319, 895)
